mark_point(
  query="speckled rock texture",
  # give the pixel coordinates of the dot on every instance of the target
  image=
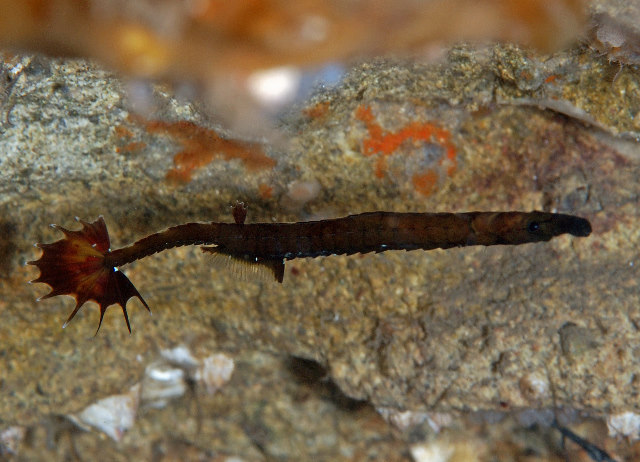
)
(471, 329)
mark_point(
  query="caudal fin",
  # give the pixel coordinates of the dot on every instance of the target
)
(75, 266)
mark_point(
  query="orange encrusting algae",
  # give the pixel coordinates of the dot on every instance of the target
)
(202, 145)
(317, 111)
(552, 78)
(131, 147)
(124, 134)
(385, 143)
(425, 183)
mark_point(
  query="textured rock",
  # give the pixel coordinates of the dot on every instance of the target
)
(461, 330)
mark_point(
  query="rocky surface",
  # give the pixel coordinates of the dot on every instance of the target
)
(476, 329)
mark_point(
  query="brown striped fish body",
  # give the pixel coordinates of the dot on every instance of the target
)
(83, 266)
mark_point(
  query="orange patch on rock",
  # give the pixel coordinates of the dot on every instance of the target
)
(317, 111)
(385, 143)
(552, 78)
(202, 145)
(131, 147)
(123, 132)
(425, 183)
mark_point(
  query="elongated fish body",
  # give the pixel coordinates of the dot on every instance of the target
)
(82, 264)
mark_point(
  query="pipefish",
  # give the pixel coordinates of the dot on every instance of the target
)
(82, 264)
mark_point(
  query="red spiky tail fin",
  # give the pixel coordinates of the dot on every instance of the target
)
(75, 265)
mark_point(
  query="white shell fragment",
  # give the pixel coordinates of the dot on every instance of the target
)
(432, 452)
(162, 382)
(215, 371)
(10, 439)
(166, 379)
(113, 415)
(626, 424)
(180, 356)
(404, 420)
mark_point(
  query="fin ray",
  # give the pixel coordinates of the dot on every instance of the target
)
(75, 265)
(248, 268)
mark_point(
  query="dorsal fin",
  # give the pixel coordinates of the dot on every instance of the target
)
(239, 212)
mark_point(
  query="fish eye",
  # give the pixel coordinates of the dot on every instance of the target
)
(533, 227)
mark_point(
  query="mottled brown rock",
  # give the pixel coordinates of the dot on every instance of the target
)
(449, 331)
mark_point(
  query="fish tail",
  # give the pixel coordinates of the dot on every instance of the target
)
(76, 265)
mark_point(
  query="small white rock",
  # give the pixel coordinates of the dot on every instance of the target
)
(10, 439)
(180, 356)
(162, 382)
(626, 424)
(113, 415)
(215, 371)
(432, 452)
